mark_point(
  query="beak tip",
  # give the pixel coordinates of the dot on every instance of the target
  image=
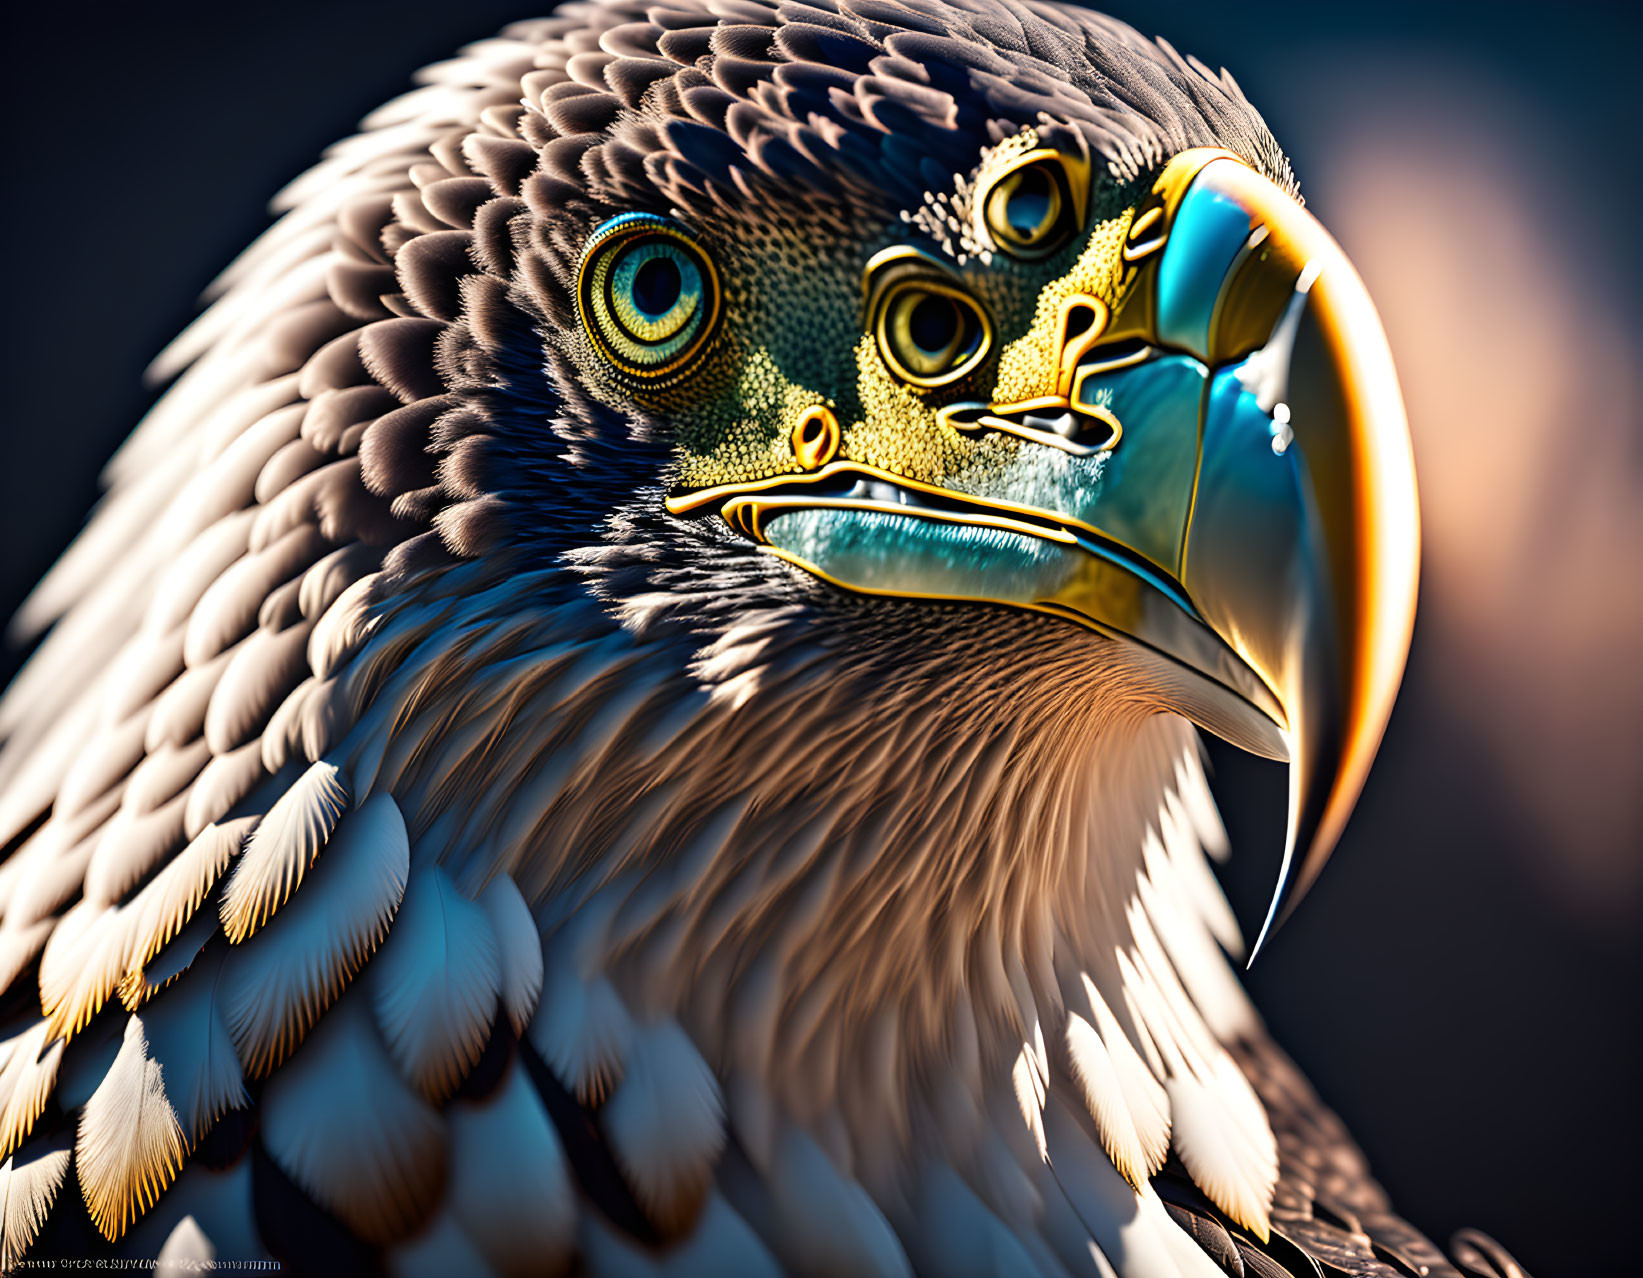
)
(1277, 913)
(1313, 831)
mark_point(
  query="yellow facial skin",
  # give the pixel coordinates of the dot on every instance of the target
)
(899, 429)
(797, 338)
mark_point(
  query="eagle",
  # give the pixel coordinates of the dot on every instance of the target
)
(633, 708)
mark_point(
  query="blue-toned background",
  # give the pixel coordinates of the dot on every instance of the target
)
(1463, 984)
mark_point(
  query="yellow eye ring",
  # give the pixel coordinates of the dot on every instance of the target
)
(930, 333)
(648, 297)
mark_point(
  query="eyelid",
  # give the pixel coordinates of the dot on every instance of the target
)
(881, 271)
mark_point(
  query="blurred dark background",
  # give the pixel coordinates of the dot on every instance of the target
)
(1463, 983)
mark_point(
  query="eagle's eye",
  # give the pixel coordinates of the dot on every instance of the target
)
(929, 332)
(648, 296)
(1030, 208)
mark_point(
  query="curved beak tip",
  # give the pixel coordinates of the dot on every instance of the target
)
(1303, 541)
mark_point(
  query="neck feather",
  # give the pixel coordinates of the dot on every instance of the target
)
(876, 895)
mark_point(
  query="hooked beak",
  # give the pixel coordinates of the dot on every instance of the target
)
(1302, 540)
(1223, 477)
(1302, 549)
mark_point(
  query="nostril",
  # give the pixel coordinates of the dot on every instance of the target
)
(1095, 429)
(1081, 318)
(815, 437)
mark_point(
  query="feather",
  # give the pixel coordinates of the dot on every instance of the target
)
(721, 1243)
(179, 711)
(434, 984)
(1135, 1230)
(262, 673)
(55, 860)
(1225, 1143)
(226, 780)
(519, 948)
(582, 1030)
(1027, 1077)
(821, 1222)
(29, 1182)
(220, 1205)
(20, 945)
(144, 668)
(29, 782)
(510, 1185)
(1192, 791)
(139, 984)
(202, 562)
(188, 1038)
(440, 1250)
(1187, 846)
(104, 762)
(186, 1247)
(163, 774)
(1104, 1095)
(81, 965)
(340, 629)
(292, 461)
(340, 1123)
(1145, 1100)
(228, 610)
(130, 1145)
(169, 901)
(282, 848)
(276, 984)
(323, 584)
(131, 847)
(955, 1234)
(1210, 1236)
(1184, 929)
(665, 1124)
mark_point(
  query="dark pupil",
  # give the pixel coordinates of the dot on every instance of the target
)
(1028, 203)
(656, 286)
(934, 324)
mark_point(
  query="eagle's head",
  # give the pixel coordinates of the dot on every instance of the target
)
(864, 440)
(815, 327)
(705, 529)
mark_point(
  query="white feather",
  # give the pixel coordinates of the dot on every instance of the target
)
(1225, 1142)
(282, 849)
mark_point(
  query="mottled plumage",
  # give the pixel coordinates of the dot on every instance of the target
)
(428, 853)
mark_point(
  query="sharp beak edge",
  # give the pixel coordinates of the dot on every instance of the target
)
(1303, 541)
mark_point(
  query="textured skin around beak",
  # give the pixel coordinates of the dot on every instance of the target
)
(1302, 547)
